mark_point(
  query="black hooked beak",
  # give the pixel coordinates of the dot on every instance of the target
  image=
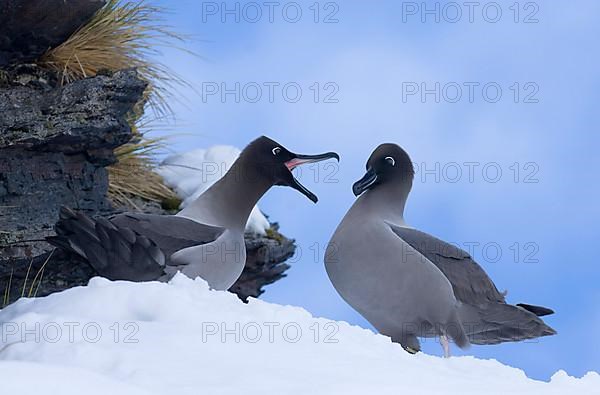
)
(299, 159)
(368, 180)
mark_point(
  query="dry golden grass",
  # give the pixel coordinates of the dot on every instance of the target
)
(121, 35)
(133, 175)
(6, 298)
(35, 284)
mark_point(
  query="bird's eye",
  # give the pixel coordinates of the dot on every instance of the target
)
(390, 160)
(276, 151)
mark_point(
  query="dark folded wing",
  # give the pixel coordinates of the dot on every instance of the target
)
(469, 281)
(170, 233)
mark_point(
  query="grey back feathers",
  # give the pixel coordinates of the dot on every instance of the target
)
(469, 282)
(129, 246)
(171, 233)
(116, 253)
(486, 316)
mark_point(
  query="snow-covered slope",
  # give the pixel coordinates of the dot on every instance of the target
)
(191, 173)
(33, 378)
(182, 338)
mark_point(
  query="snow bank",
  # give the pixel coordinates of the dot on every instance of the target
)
(182, 338)
(191, 173)
(32, 378)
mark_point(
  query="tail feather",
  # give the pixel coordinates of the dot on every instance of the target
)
(102, 225)
(115, 253)
(81, 224)
(61, 243)
(537, 310)
(498, 323)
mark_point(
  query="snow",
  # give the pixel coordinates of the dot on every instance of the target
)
(15, 378)
(191, 173)
(182, 338)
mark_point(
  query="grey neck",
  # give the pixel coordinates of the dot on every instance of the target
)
(230, 200)
(386, 201)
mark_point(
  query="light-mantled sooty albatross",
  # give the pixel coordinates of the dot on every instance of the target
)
(409, 284)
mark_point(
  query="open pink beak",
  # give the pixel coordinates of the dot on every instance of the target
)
(303, 159)
(292, 164)
(297, 160)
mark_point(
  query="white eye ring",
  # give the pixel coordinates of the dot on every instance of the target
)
(276, 151)
(390, 160)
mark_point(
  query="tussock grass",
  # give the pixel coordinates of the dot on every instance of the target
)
(133, 175)
(35, 284)
(121, 35)
(39, 276)
(6, 298)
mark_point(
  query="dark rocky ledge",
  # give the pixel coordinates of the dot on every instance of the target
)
(265, 262)
(85, 116)
(55, 144)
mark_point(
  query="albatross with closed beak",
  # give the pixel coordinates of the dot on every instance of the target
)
(409, 284)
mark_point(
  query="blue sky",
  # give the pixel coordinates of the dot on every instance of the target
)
(511, 174)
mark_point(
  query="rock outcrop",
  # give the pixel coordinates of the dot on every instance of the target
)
(54, 146)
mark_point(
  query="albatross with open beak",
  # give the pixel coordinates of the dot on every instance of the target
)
(205, 239)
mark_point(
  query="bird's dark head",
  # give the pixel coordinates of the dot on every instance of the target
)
(274, 163)
(388, 164)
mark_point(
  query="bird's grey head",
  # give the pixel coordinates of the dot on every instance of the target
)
(273, 163)
(388, 165)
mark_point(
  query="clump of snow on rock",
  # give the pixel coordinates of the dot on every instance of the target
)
(182, 338)
(191, 173)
